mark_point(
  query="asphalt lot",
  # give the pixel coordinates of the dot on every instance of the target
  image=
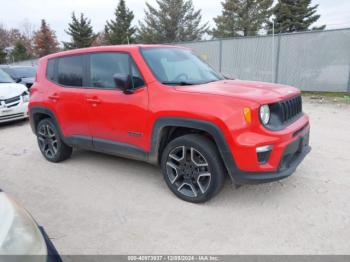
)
(98, 204)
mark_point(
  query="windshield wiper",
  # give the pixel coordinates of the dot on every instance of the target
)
(181, 83)
(1, 82)
(228, 77)
(211, 81)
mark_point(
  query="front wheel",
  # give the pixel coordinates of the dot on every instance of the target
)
(192, 168)
(50, 143)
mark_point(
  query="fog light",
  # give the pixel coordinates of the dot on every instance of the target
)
(263, 149)
(263, 154)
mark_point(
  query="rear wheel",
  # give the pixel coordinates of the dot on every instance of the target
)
(192, 168)
(50, 143)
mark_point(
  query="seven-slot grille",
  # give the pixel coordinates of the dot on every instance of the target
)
(290, 108)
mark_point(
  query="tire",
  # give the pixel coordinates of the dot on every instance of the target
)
(192, 168)
(50, 143)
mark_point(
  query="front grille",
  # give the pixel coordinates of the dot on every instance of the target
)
(12, 100)
(284, 112)
(290, 108)
(12, 105)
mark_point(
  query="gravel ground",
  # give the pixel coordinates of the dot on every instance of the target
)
(98, 204)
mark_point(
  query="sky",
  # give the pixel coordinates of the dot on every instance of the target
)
(14, 13)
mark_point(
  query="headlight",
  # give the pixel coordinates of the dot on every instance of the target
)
(19, 234)
(265, 114)
(25, 96)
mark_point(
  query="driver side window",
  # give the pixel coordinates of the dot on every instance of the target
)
(103, 66)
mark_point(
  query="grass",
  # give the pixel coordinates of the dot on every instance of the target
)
(327, 94)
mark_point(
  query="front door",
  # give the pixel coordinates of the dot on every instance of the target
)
(117, 120)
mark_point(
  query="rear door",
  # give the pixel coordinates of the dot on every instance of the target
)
(116, 119)
(68, 96)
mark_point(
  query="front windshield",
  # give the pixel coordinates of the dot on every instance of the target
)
(4, 77)
(176, 66)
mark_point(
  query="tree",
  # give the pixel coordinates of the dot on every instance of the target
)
(295, 15)
(3, 55)
(81, 33)
(3, 44)
(100, 40)
(173, 21)
(45, 41)
(242, 18)
(19, 52)
(120, 31)
(27, 30)
(9, 39)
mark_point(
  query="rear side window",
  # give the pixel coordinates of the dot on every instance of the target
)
(50, 70)
(103, 66)
(70, 70)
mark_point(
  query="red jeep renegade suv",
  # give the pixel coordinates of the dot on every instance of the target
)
(163, 105)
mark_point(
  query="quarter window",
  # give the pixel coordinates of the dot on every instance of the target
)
(105, 65)
(50, 70)
(70, 71)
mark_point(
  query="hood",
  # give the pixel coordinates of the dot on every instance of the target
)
(260, 92)
(9, 90)
(28, 80)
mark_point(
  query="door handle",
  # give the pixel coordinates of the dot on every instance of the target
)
(54, 97)
(93, 101)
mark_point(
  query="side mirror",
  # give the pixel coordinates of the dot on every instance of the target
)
(122, 82)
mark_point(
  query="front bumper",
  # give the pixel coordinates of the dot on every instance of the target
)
(293, 155)
(14, 113)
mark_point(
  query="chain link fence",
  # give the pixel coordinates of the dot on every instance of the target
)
(30, 62)
(311, 61)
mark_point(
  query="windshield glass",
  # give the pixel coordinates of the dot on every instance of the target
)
(4, 77)
(21, 72)
(175, 66)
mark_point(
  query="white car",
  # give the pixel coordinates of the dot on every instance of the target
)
(14, 99)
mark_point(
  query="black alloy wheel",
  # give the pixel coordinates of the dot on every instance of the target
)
(192, 168)
(50, 143)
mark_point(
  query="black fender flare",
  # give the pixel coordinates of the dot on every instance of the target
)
(46, 111)
(202, 125)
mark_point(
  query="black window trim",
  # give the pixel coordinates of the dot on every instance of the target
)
(87, 72)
